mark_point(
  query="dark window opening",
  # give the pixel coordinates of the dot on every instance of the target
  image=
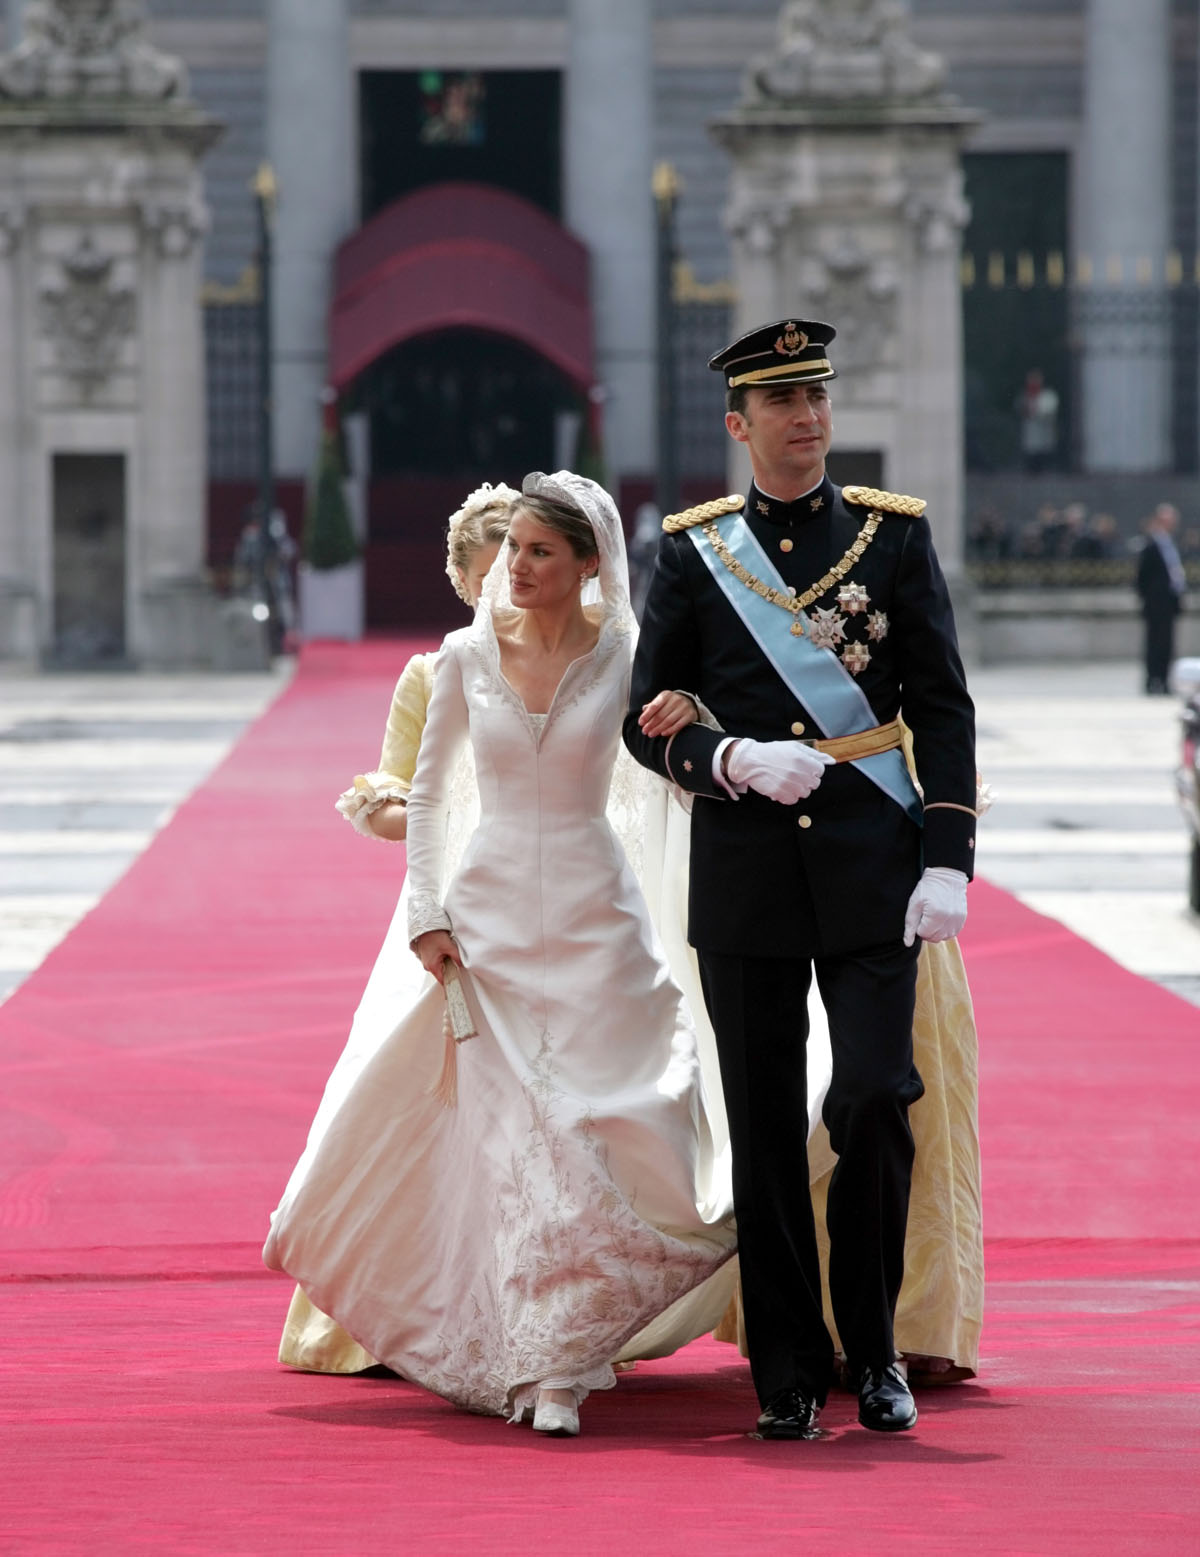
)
(1016, 307)
(423, 127)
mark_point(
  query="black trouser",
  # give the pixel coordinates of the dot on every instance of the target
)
(759, 1012)
(1160, 638)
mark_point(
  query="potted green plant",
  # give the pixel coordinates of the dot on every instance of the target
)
(331, 570)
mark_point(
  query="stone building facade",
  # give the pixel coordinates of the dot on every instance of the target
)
(1080, 248)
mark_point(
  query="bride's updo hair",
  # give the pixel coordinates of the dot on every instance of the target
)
(564, 518)
(481, 521)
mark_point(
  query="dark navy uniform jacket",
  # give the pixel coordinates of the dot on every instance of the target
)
(832, 874)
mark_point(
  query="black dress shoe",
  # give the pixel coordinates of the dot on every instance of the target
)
(789, 1414)
(884, 1402)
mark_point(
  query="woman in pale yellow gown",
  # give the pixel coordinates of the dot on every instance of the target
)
(939, 1314)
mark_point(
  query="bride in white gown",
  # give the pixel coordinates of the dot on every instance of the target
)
(565, 1212)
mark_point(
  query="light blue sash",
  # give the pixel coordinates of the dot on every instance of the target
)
(815, 677)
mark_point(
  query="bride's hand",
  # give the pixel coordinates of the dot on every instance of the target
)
(667, 714)
(433, 948)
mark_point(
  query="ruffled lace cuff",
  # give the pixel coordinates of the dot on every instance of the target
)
(370, 791)
(425, 913)
(704, 715)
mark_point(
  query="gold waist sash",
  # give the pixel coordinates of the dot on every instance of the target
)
(867, 743)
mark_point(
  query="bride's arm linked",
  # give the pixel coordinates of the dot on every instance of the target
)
(669, 655)
(670, 712)
(430, 932)
(699, 758)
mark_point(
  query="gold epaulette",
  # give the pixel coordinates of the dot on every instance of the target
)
(703, 512)
(886, 502)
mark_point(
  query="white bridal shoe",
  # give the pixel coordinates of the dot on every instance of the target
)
(555, 1417)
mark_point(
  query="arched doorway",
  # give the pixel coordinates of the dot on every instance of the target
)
(446, 412)
(461, 326)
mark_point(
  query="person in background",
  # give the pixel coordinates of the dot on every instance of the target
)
(1037, 415)
(1160, 585)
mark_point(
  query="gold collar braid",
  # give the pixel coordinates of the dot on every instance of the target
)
(795, 603)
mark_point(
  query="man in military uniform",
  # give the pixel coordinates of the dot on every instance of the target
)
(806, 618)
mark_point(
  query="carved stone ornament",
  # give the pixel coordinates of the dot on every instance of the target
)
(174, 224)
(938, 215)
(844, 50)
(89, 49)
(88, 317)
(844, 281)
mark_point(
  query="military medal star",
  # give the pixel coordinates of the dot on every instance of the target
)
(827, 629)
(877, 626)
(853, 598)
(856, 657)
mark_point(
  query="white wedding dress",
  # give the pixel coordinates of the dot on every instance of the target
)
(569, 1209)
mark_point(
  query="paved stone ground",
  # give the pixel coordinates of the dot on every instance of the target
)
(91, 766)
(1085, 826)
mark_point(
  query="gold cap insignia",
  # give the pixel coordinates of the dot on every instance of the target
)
(792, 342)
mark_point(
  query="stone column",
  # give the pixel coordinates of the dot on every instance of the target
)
(846, 205)
(18, 593)
(609, 162)
(310, 146)
(101, 344)
(20, 630)
(173, 444)
(1124, 234)
(13, 12)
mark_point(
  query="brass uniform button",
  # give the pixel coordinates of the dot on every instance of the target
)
(797, 728)
(804, 821)
(785, 544)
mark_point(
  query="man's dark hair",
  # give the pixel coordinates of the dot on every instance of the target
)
(735, 398)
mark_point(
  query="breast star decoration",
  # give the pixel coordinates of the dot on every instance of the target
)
(853, 598)
(827, 628)
(856, 657)
(877, 626)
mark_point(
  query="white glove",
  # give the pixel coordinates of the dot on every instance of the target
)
(782, 770)
(937, 908)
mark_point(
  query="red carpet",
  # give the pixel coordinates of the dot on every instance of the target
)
(158, 1075)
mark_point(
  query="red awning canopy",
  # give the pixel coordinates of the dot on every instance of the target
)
(461, 256)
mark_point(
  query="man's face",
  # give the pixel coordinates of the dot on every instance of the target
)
(787, 428)
(1167, 516)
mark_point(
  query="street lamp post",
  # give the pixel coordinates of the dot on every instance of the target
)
(265, 191)
(666, 187)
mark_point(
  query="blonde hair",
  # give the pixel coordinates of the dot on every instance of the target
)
(481, 521)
